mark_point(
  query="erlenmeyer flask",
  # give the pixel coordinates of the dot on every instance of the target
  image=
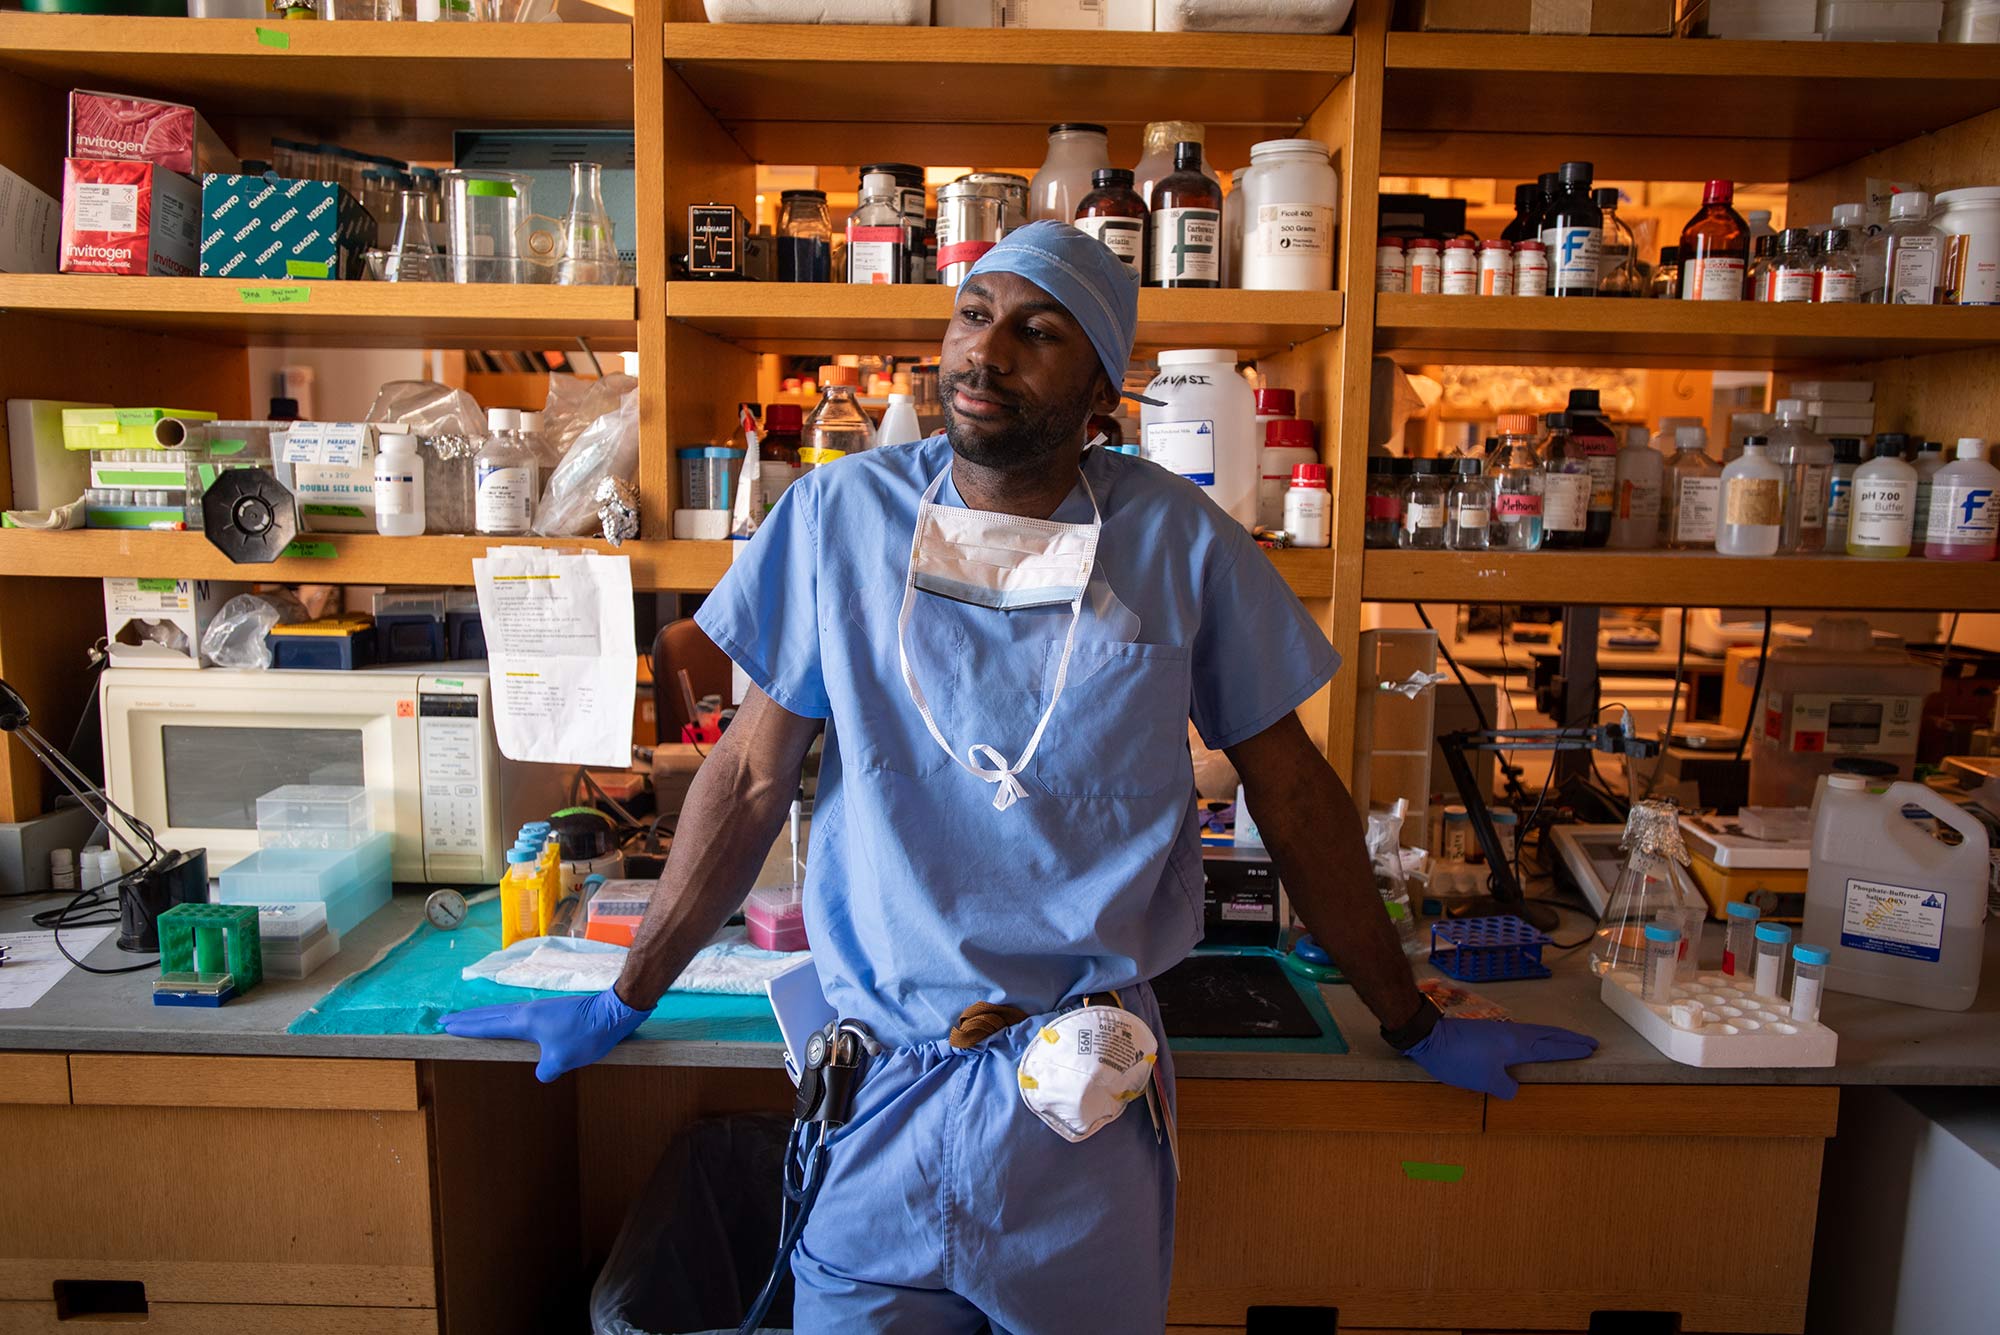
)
(589, 253)
(1654, 887)
(414, 255)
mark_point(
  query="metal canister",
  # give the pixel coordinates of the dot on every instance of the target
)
(1016, 187)
(970, 220)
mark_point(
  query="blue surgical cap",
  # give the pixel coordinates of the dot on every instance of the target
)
(1079, 271)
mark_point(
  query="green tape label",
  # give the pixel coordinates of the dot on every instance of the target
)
(1433, 1172)
(334, 511)
(159, 586)
(489, 189)
(305, 268)
(315, 551)
(207, 473)
(129, 477)
(274, 296)
(274, 38)
(227, 446)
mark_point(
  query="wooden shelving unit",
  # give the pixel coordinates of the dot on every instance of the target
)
(1599, 332)
(336, 314)
(1667, 110)
(838, 317)
(1680, 579)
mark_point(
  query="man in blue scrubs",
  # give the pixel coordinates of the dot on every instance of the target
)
(1004, 633)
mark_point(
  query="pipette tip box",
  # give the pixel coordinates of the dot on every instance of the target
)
(1738, 1028)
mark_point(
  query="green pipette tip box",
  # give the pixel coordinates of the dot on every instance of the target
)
(212, 939)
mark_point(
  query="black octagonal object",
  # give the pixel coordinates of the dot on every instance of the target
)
(249, 515)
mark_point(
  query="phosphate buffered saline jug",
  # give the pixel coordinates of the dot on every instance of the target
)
(1901, 911)
(1205, 431)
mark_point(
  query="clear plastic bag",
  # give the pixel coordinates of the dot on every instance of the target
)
(1385, 855)
(235, 639)
(608, 448)
(574, 403)
(449, 429)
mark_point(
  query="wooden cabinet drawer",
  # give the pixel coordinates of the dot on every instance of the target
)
(34, 1077)
(142, 1080)
(43, 1318)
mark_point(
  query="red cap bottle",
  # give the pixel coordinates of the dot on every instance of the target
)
(1276, 402)
(1291, 433)
(1718, 192)
(1309, 475)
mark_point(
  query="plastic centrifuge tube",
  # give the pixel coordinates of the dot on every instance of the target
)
(1663, 952)
(1772, 938)
(1738, 943)
(1808, 981)
(798, 869)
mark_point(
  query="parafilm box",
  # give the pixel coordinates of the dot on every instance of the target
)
(128, 218)
(143, 129)
(270, 227)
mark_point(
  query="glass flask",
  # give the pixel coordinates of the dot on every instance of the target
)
(413, 255)
(589, 251)
(1655, 887)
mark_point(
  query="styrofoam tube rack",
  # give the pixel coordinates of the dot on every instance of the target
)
(1736, 1027)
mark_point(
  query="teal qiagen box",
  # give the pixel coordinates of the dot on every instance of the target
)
(269, 227)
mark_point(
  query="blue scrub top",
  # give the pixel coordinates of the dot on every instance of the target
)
(921, 898)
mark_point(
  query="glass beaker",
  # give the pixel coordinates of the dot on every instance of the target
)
(1654, 888)
(589, 250)
(381, 11)
(493, 234)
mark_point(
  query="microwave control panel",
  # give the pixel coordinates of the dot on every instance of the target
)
(450, 731)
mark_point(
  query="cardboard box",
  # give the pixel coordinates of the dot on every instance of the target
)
(1599, 18)
(128, 218)
(1128, 15)
(115, 127)
(333, 473)
(269, 227)
(160, 622)
(30, 223)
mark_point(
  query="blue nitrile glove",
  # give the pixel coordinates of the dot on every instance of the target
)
(571, 1031)
(1475, 1054)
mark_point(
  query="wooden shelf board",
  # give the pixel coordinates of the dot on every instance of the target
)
(360, 558)
(474, 73)
(365, 558)
(1685, 109)
(1680, 579)
(840, 317)
(1597, 332)
(337, 314)
(964, 95)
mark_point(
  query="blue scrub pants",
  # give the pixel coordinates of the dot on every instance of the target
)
(949, 1205)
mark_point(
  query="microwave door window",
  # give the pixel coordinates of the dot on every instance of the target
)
(214, 775)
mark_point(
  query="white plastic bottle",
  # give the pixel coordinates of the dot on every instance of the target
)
(1635, 514)
(399, 486)
(899, 422)
(1882, 505)
(1901, 911)
(544, 447)
(1306, 504)
(1910, 252)
(1965, 505)
(504, 478)
(1290, 204)
(1753, 504)
(1206, 430)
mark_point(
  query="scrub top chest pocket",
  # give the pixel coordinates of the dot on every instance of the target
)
(1120, 730)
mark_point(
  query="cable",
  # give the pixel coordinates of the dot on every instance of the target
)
(90, 908)
(1756, 687)
(798, 1203)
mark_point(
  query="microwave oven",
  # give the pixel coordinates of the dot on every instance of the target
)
(190, 753)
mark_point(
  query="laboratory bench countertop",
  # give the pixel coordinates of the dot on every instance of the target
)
(1880, 1043)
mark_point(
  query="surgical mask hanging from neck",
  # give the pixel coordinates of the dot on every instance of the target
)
(1004, 562)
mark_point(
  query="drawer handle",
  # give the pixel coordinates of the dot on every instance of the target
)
(102, 1300)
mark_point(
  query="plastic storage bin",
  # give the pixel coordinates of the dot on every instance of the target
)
(317, 816)
(775, 916)
(332, 644)
(409, 625)
(296, 938)
(352, 883)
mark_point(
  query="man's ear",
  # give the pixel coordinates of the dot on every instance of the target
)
(1105, 395)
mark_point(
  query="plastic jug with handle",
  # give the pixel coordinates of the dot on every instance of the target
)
(1901, 910)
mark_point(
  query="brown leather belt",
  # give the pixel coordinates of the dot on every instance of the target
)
(981, 1020)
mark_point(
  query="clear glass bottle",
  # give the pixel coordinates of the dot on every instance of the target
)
(1839, 278)
(876, 254)
(1666, 280)
(1753, 504)
(838, 421)
(1469, 507)
(1808, 463)
(1851, 221)
(1424, 507)
(1565, 486)
(1929, 459)
(590, 250)
(1910, 252)
(1714, 248)
(1840, 489)
(1619, 272)
(1516, 474)
(1077, 151)
(1655, 889)
(1383, 520)
(505, 478)
(805, 237)
(1794, 275)
(1739, 940)
(1882, 505)
(1692, 489)
(1757, 276)
(1635, 523)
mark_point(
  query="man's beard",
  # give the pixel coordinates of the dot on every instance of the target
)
(1032, 440)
